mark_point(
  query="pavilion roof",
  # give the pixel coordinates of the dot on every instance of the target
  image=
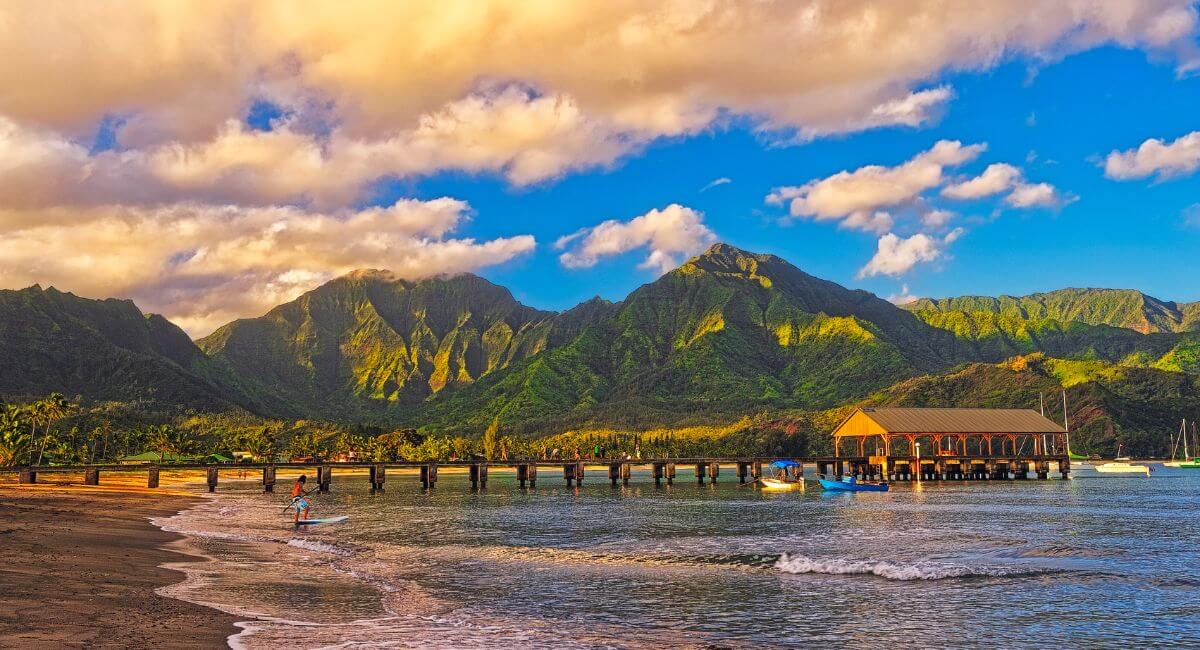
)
(881, 420)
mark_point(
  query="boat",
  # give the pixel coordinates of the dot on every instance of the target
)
(781, 480)
(1175, 447)
(849, 484)
(776, 484)
(1122, 465)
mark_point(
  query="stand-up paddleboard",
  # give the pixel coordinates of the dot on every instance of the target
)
(326, 520)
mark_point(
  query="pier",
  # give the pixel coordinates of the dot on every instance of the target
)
(616, 472)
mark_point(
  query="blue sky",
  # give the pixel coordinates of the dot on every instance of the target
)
(1118, 234)
(918, 148)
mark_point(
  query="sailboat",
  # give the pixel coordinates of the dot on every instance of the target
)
(1175, 447)
(1121, 465)
(1194, 463)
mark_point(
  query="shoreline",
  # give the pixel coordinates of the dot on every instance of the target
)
(84, 567)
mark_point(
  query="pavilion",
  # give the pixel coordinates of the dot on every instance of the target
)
(957, 432)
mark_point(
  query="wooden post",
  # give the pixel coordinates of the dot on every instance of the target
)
(625, 471)
(798, 471)
(269, 478)
(579, 473)
(839, 470)
(657, 469)
(532, 474)
(91, 476)
(428, 475)
(614, 472)
(152, 477)
(27, 476)
(522, 474)
(700, 467)
(1064, 468)
(756, 469)
(212, 479)
(478, 474)
(569, 473)
(714, 470)
(377, 474)
(670, 473)
(324, 477)
(742, 470)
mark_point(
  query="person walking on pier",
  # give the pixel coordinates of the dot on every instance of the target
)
(299, 502)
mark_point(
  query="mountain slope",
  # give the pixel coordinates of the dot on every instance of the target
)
(100, 349)
(1113, 307)
(366, 345)
(726, 332)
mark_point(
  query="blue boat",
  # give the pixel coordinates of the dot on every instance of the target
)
(848, 484)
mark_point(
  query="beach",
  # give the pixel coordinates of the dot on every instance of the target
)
(80, 567)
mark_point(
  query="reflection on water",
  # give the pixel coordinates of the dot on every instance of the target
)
(1106, 559)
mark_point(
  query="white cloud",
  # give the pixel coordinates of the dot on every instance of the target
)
(202, 266)
(674, 230)
(997, 178)
(1155, 157)
(853, 198)
(936, 218)
(716, 183)
(1034, 195)
(902, 298)
(896, 256)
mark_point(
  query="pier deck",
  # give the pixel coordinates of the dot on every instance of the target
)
(618, 470)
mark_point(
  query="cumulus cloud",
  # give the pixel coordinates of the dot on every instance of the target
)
(367, 91)
(202, 265)
(854, 198)
(896, 256)
(663, 68)
(667, 233)
(997, 178)
(902, 298)
(1034, 195)
(1156, 158)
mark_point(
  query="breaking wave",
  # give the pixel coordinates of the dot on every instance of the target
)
(789, 563)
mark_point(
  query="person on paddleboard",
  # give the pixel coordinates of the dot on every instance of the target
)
(299, 502)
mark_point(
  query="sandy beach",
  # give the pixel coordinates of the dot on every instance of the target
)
(79, 568)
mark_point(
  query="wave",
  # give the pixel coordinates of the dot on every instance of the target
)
(789, 563)
(319, 547)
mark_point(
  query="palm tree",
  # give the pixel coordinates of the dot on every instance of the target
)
(47, 411)
(14, 441)
(159, 439)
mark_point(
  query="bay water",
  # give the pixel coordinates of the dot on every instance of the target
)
(1096, 560)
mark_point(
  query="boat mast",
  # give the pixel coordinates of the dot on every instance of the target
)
(1182, 434)
(1066, 423)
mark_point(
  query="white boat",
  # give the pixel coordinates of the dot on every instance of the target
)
(776, 484)
(1175, 447)
(1121, 465)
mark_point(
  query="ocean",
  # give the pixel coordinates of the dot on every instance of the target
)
(1097, 560)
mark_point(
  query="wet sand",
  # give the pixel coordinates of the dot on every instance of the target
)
(78, 568)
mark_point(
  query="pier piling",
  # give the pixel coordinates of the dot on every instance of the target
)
(657, 469)
(377, 474)
(428, 476)
(27, 476)
(91, 476)
(670, 473)
(324, 478)
(614, 473)
(714, 470)
(742, 470)
(626, 469)
(700, 467)
(268, 479)
(152, 477)
(212, 479)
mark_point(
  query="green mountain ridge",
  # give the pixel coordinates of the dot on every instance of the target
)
(727, 334)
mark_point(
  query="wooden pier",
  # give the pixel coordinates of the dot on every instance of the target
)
(619, 471)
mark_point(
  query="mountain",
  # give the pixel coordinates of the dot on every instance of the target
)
(370, 346)
(728, 334)
(52, 341)
(1122, 308)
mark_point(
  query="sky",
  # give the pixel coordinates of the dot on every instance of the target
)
(212, 160)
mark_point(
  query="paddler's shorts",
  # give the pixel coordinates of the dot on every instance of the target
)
(300, 505)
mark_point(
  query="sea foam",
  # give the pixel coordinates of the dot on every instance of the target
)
(891, 570)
